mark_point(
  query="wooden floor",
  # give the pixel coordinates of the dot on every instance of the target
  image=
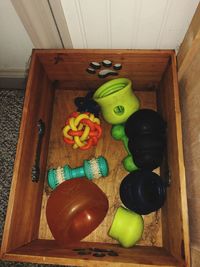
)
(60, 154)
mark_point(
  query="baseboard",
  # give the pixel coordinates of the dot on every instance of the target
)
(12, 73)
(12, 83)
(12, 79)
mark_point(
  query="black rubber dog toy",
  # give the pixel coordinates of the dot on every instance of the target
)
(143, 192)
(145, 121)
(147, 151)
(146, 131)
(87, 104)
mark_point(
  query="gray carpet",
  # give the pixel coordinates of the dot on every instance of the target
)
(11, 102)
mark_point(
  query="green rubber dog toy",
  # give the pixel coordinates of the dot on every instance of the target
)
(127, 227)
(117, 100)
(118, 133)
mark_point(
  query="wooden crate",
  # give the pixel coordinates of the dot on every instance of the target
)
(56, 77)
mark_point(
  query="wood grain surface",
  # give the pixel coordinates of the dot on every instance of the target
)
(68, 67)
(165, 240)
(23, 213)
(175, 212)
(61, 154)
(190, 46)
(46, 251)
(189, 81)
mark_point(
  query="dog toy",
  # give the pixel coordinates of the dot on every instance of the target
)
(94, 168)
(127, 227)
(87, 104)
(145, 122)
(83, 130)
(118, 133)
(117, 100)
(75, 209)
(146, 131)
(143, 191)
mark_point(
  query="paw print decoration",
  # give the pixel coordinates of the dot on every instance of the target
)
(108, 70)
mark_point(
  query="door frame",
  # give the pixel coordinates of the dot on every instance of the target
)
(44, 22)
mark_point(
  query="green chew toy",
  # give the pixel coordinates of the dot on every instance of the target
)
(127, 227)
(118, 133)
(117, 100)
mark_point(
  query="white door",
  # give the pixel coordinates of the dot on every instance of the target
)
(131, 24)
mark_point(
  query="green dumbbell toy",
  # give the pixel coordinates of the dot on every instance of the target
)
(118, 133)
(94, 168)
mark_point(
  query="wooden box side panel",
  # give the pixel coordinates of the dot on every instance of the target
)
(23, 213)
(189, 83)
(175, 213)
(68, 67)
(46, 251)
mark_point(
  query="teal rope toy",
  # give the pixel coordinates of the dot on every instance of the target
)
(94, 168)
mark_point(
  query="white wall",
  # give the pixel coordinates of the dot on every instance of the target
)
(133, 24)
(15, 44)
(140, 24)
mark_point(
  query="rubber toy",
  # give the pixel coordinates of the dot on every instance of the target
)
(82, 130)
(92, 169)
(146, 131)
(143, 122)
(118, 133)
(87, 104)
(116, 100)
(147, 151)
(142, 192)
(74, 209)
(127, 227)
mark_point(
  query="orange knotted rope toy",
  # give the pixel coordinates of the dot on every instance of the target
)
(83, 130)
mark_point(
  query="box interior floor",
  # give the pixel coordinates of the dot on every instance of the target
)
(61, 154)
